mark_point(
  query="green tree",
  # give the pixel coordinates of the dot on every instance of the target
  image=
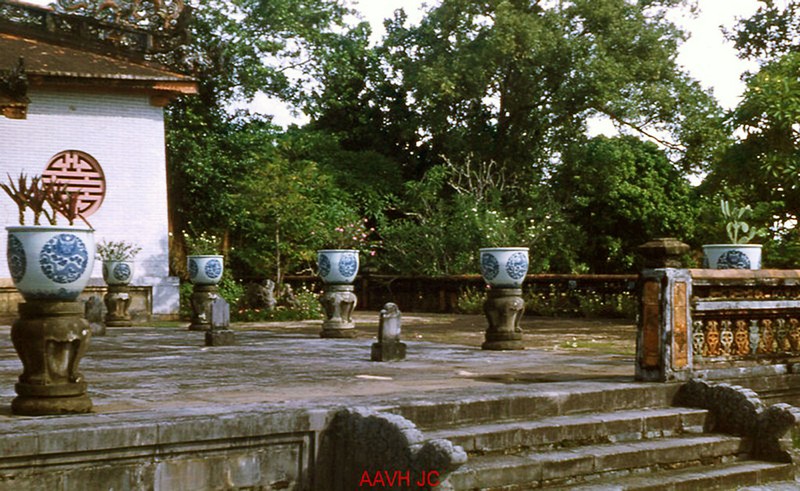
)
(514, 81)
(289, 208)
(622, 192)
(764, 162)
(236, 50)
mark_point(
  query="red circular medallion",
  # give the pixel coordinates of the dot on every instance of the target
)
(82, 174)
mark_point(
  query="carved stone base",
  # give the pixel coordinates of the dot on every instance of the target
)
(50, 338)
(118, 300)
(338, 303)
(202, 298)
(220, 337)
(394, 351)
(504, 308)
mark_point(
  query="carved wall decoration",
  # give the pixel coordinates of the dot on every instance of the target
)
(14, 91)
(735, 337)
(680, 334)
(741, 339)
(650, 323)
(768, 343)
(726, 338)
(712, 346)
(755, 337)
(794, 333)
(82, 174)
(698, 339)
(782, 333)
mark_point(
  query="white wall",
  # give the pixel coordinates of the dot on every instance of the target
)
(126, 136)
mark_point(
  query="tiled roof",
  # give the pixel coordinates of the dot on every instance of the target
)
(48, 59)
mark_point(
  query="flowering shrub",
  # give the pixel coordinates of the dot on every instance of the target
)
(202, 244)
(117, 250)
(306, 307)
(357, 235)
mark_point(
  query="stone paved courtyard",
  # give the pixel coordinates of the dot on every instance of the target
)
(146, 368)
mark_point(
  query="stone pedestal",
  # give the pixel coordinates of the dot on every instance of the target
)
(50, 338)
(338, 303)
(504, 308)
(203, 297)
(117, 301)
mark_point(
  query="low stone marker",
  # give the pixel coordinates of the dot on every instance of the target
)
(219, 334)
(93, 313)
(389, 347)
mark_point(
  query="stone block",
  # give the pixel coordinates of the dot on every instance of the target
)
(220, 337)
(390, 351)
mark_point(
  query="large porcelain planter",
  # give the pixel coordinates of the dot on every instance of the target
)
(205, 269)
(732, 256)
(50, 262)
(117, 273)
(337, 266)
(504, 267)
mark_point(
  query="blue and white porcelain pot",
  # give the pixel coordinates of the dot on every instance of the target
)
(116, 273)
(337, 266)
(732, 256)
(205, 269)
(504, 267)
(50, 262)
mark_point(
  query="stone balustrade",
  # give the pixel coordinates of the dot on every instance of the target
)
(717, 323)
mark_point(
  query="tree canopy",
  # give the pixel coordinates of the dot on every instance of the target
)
(469, 129)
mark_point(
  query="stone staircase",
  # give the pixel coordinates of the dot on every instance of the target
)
(625, 437)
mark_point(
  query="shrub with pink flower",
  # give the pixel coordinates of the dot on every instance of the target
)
(357, 235)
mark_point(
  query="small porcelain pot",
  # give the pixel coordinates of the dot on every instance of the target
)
(205, 269)
(117, 272)
(732, 256)
(337, 266)
(50, 262)
(504, 267)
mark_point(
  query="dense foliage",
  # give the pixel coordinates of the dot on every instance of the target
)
(470, 130)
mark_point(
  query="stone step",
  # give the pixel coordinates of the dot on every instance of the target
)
(562, 399)
(561, 467)
(729, 476)
(570, 431)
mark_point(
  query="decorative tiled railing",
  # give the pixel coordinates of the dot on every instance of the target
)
(725, 323)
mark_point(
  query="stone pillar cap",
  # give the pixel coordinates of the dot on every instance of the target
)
(663, 252)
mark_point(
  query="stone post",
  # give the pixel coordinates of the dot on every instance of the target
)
(504, 308)
(389, 347)
(203, 297)
(664, 330)
(118, 300)
(219, 334)
(338, 303)
(50, 338)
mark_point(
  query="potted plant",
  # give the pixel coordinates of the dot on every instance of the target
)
(504, 267)
(737, 254)
(204, 261)
(118, 261)
(339, 265)
(48, 261)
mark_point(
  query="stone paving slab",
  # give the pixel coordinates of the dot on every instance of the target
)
(169, 368)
